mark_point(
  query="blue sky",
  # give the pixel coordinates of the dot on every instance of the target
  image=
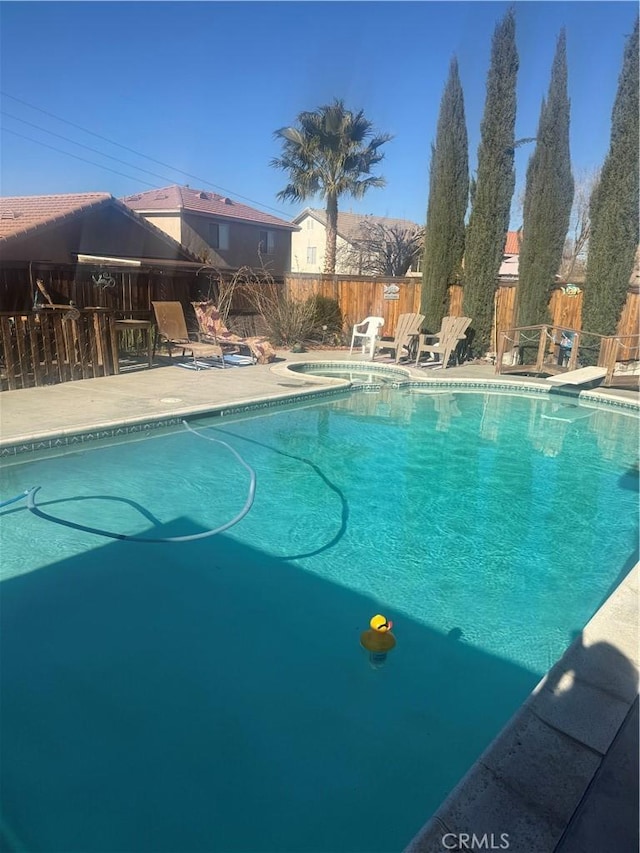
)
(202, 86)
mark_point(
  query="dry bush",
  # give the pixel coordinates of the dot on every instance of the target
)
(287, 321)
(221, 290)
(284, 321)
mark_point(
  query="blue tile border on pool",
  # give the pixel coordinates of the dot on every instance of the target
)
(83, 437)
(97, 434)
(309, 368)
(593, 397)
(239, 408)
(348, 366)
(479, 385)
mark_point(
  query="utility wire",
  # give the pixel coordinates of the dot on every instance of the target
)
(88, 147)
(139, 154)
(75, 156)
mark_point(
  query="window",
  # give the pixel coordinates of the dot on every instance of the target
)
(309, 224)
(218, 235)
(311, 254)
(267, 243)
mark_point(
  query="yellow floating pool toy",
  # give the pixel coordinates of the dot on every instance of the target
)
(378, 640)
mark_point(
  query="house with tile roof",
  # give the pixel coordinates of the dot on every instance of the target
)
(308, 245)
(56, 228)
(508, 271)
(68, 240)
(219, 230)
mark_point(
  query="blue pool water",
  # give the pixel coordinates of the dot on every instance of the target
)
(213, 696)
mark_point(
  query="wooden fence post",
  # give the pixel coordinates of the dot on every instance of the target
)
(542, 346)
(573, 358)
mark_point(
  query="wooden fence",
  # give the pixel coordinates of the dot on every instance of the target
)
(358, 297)
(364, 297)
(128, 292)
(546, 350)
(56, 345)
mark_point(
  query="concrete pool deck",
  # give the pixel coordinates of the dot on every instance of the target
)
(169, 391)
(562, 776)
(559, 777)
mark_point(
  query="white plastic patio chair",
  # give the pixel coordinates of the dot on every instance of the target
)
(366, 334)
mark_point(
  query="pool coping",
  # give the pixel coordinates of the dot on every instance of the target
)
(408, 378)
(47, 439)
(531, 779)
(414, 377)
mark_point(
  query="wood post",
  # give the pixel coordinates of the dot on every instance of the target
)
(542, 347)
(573, 358)
(7, 348)
(35, 350)
(502, 337)
(113, 337)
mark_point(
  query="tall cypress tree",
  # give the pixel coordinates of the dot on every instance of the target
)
(447, 207)
(614, 207)
(494, 185)
(548, 199)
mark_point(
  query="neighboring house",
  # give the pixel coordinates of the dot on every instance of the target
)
(80, 243)
(509, 267)
(223, 232)
(308, 244)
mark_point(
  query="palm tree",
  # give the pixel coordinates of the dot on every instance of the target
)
(329, 153)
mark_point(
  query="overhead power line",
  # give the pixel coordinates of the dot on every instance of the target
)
(139, 154)
(87, 147)
(75, 156)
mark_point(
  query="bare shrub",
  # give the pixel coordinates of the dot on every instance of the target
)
(288, 321)
(285, 321)
(221, 289)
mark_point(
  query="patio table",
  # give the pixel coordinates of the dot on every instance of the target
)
(145, 326)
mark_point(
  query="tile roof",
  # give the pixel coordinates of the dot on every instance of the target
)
(201, 201)
(512, 243)
(20, 214)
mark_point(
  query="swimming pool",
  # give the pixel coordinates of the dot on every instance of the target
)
(213, 695)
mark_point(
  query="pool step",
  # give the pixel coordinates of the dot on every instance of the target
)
(578, 377)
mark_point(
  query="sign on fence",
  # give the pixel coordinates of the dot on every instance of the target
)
(391, 291)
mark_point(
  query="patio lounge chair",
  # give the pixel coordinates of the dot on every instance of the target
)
(172, 330)
(212, 328)
(366, 333)
(407, 329)
(444, 342)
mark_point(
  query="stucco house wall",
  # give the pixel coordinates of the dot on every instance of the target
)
(308, 247)
(224, 232)
(309, 244)
(242, 242)
(170, 223)
(105, 230)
